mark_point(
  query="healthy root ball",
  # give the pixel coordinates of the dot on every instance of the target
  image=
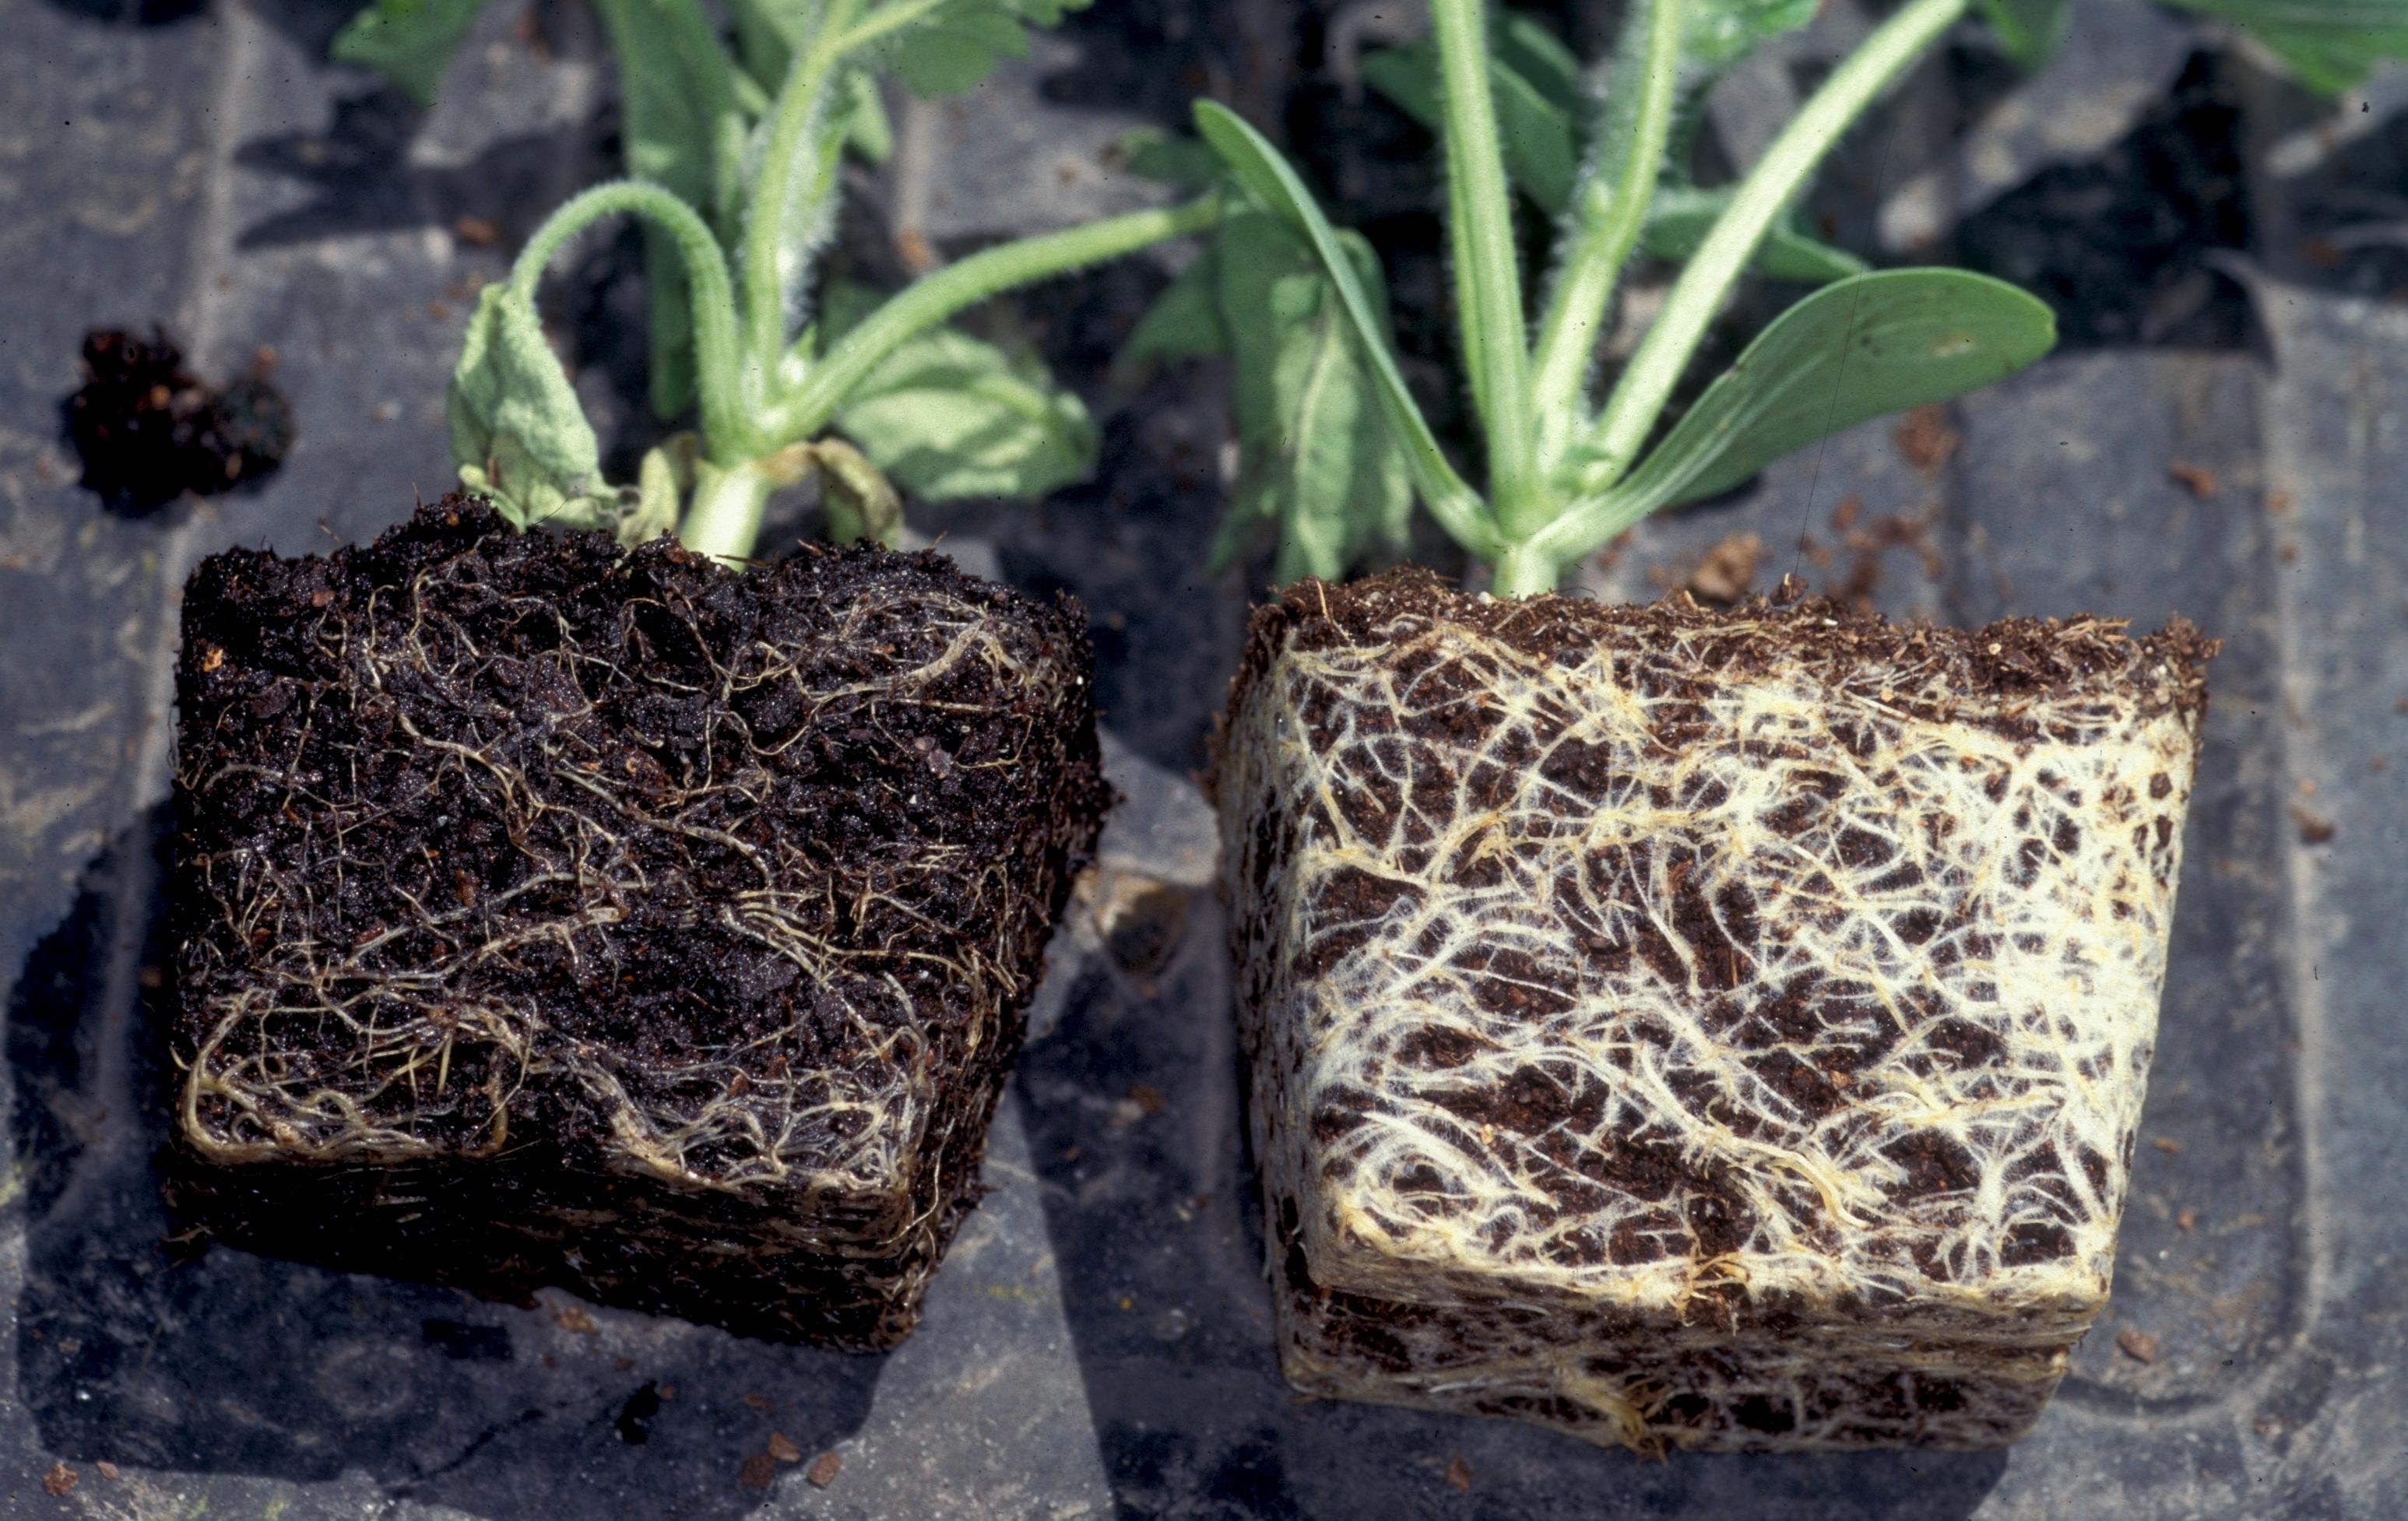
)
(1722, 1030)
(551, 913)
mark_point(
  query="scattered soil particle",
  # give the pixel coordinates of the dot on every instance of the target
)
(106, 1469)
(783, 1450)
(1728, 572)
(760, 1401)
(1147, 1098)
(1458, 1474)
(2187, 1222)
(571, 1318)
(2167, 1144)
(2196, 479)
(1925, 440)
(149, 430)
(758, 1471)
(60, 1481)
(823, 1469)
(1844, 517)
(2278, 503)
(2314, 829)
(2137, 1345)
(476, 232)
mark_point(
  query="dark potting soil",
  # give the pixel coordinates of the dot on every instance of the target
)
(553, 914)
(148, 431)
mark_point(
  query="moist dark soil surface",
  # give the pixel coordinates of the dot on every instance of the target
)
(2012, 658)
(549, 913)
(148, 431)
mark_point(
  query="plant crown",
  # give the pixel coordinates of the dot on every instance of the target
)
(733, 155)
(1333, 447)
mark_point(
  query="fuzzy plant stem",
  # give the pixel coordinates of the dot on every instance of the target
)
(1778, 177)
(726, 429)
(1609, 208)
(932, 298)
(801, 105)
(1487, 267)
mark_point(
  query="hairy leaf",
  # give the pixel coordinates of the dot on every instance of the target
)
(2329, 44)
(1856, 349)
(959, 42)
(949, 416)
(1266, 175)
(518, 434)
(2031, 29)
(1319, 460)
(407, 41)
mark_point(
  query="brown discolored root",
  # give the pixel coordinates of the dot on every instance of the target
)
(551, 913)
(1683, 1028)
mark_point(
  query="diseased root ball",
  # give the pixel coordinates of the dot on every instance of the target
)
(551, 913)
(1722, 1030)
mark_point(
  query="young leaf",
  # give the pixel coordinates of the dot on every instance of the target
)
(1678, 220)
(949, 416)
(1864, 347)
(518, 434)
(1320, 460)
(1266, 175)
(1184, 321)
(684, 132)
(1721, 32)
(2031, 29)
(407, 41)
(958, 42)
(1166, 158)
(1535, 131)
(1525, 45)
(2329, 44)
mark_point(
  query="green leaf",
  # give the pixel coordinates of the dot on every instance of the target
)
(949, 416)
(1318, 457)
(1527, 46)
(1854, 350)
(684, 132)
(1679, 219)
(407, 41)
(1266, 175)
(1167, 158)
(1184, 321)
(768, 34)
(518, 434)
(2329, 44)
(1722, 32)
(1535, 130)
(2031, 29)
(867, 129)
(959, 42)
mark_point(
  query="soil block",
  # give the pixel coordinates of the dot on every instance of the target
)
(551, 913)
(1715, 1029)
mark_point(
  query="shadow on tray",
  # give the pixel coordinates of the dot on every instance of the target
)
(142, 1350)
(1134, 1112)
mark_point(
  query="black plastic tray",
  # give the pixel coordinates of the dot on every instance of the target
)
(1100, 1342)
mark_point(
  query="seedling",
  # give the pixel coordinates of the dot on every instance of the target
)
(1566, 469)
(733, 158)
(1679, 1028)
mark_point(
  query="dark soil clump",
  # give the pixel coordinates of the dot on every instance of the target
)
(148, 431)
(553, 914)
